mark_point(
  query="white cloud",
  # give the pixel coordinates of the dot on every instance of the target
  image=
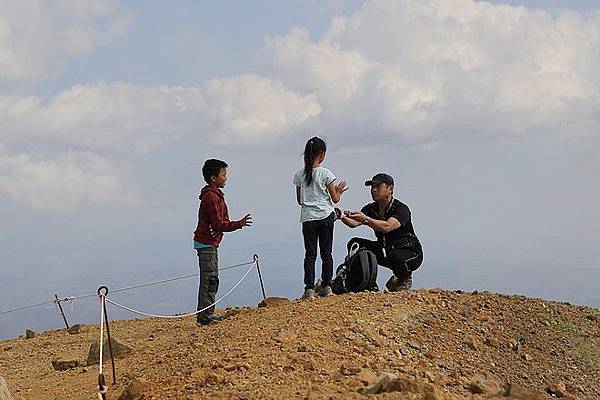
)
(63, 182)
(251, 109)
(120, 116)
(430, 70)
(38, 37)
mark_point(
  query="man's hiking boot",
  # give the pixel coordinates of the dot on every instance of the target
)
(396, 284)
(325, 291)
(308, 294)
(207, 320)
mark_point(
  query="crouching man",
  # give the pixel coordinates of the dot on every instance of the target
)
(397, 247)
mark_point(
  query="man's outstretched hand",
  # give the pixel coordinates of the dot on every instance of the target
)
(358, 216)
(247, 220)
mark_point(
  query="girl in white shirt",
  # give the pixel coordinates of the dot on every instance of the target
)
(316, 192)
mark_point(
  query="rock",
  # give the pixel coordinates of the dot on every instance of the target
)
(273, 302)
(349, 369)
(515, 345)
(559, 389)
(481, 385)
(387, 383)
(482, 318)
(206, 376)
(471, 343)
(380, 384)
(199, 374)
(286, 334)
(527, 357)
(120, 349)
(425, 391)
(136, 390)
(366, 377)
(492, 342)
(4, 392)
(231, 312)
(78, 328)
(29, 334)
(593, 318)
(63, 365)
(515, 392)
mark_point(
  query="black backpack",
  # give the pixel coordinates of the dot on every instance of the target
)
(357, 274)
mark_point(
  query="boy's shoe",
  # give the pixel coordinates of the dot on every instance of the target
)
(396, 284)
(325, 291)
(207, 320)
(308, 294)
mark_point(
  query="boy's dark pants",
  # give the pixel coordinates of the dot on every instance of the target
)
(320, 232)
(208, 261)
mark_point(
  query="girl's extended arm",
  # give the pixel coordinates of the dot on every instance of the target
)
(335, 191)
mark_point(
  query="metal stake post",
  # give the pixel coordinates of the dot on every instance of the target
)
(262, 286)
(112, 360)
(57, 301)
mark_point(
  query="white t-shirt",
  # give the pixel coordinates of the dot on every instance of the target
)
(315, 199)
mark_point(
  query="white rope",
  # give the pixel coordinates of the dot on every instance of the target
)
(72, 299)
(183, 315)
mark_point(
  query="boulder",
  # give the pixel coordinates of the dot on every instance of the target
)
(273, 302)
(426, 391)
(481, 385)
(4, 393)
(558, 389)
(63, 365)
(29, 334)
(136, 390)
(78, 328)
(379, 385)
(120, 349)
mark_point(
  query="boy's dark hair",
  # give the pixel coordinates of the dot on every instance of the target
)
(313, 148)
(212, 168)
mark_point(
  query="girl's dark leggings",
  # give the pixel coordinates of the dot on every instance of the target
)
(318, 232)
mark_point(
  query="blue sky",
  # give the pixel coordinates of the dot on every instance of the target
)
(487, 116)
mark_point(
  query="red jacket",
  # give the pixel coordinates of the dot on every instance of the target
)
(213, 217)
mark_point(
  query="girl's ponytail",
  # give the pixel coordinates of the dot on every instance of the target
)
(313, 148)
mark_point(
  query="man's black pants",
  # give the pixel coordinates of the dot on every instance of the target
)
(320, 232)
(401, 261)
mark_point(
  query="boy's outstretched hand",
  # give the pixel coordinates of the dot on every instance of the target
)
(247, 220)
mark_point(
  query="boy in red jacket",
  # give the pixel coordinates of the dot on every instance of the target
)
(213, 220)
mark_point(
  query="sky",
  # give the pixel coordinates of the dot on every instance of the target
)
(487, 114)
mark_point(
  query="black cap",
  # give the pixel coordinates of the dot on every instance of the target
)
(380, 178)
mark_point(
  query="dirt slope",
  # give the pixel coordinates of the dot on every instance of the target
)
(331, 348)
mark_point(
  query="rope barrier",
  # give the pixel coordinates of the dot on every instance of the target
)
(72, 299)
(114, 303)
(26, 307)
